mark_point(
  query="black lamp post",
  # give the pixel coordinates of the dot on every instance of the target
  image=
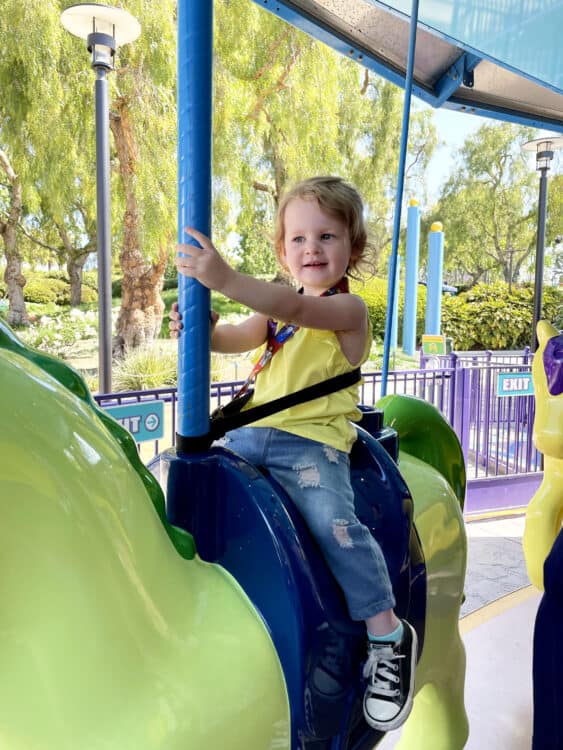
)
(544, 149)
(103, 28)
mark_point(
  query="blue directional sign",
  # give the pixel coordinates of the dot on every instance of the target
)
(145, 421)
(515, 384)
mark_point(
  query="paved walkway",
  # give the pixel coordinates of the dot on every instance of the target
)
(497, 625)
(495, 561)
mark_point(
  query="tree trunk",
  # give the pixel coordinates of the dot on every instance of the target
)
(141, 312)
(142, 308)
(75, 260)
(75, 267)
(13, 276)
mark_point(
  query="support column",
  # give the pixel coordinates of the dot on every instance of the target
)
(411, 278)
(434, 282)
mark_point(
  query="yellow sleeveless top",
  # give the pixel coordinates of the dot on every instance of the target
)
(308, 357)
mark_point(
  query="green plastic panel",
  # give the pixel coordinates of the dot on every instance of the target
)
(109, 638)
(424, 433)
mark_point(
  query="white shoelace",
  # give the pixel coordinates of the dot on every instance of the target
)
(381, 670)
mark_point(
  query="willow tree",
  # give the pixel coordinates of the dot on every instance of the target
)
(29, 39)
(554, 228)
(487, 205)
(288, 107)
(44, 143)
(143, 124)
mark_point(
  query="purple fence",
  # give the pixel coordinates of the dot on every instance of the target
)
(495, 431)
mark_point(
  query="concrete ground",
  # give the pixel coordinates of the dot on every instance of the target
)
(495, 561)
(497, 622)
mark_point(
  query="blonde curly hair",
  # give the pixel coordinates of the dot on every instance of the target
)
(339, 199)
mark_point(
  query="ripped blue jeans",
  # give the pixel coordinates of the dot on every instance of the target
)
(317, 478)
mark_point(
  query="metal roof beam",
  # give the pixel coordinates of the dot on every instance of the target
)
(338, 42)
(460, 73)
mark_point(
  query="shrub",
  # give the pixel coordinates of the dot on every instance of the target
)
(374, 294)
(483, 317)
(88, 296)
(43, 290)
(487, 317)
(90, 279)
(146, 368)
(57, 335)
(116, 287)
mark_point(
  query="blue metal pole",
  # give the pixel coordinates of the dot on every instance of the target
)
(434, 283)
(195, 62)
(395, 318)
(411, 278)
(399, 195)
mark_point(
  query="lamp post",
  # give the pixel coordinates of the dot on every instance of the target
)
(544, 149)
(103, 28)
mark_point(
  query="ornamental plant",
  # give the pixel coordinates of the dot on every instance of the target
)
(488, 317)
(58, 334)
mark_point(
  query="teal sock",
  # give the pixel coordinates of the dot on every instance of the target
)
(393, 637)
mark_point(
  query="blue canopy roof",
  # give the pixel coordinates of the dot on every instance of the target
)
(492, 58)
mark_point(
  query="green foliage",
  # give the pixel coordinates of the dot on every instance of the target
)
(374, 294)
(156, 366)
(143, 100)
(116, 285)
(54, 287)
(487, 317)
(286, 108)
(487, 205)
(44, 290)
(90, 279)
(168, 297)
(145, 368)
(219, 303)
(57, 334)
(88, 295)
(555, 209)
(225, 306)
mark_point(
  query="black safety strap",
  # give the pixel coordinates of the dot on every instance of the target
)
(230, 416)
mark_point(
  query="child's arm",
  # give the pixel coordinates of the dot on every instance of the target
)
(227, 338)
(339, 312)
(233, 339)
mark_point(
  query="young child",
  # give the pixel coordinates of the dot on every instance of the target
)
(320, 239)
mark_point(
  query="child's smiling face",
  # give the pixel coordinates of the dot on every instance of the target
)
(317, 248)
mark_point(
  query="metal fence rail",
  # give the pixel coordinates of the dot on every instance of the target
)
(480, 358)
(495, 432)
